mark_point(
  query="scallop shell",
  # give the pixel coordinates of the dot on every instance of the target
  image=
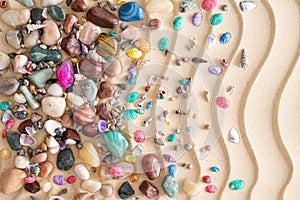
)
(234, 136)
(32, 27)
(248, 5)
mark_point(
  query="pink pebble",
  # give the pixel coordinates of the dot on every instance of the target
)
(206, 179)
(209, 4)
(139, 136)
(116, 170)
(71, 179)
(29, 179)
(222, 102)
(9, 124)
(211, 189)
(65, 74)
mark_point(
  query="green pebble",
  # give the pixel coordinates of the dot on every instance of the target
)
(129, 115)
(217, 19)
(57, 13)
(132, 97)
(27, 3)
(178, 23)
(4, 106)
(170, 186)
(237, 184)
(65, 159)
(140, 111)
(37, 54)
(36, 15)
(39, 78)
(13, 140)
(163, 44)
(33, 103)
(172, 137)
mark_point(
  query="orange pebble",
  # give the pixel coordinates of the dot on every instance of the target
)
(134, 178)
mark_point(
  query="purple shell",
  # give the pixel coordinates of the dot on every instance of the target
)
(102, 125)
(59, 180)
(169, 158)
(197, 19)
(216, 70)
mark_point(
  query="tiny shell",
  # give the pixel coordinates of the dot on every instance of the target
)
(198, 60)
(234, 136)
(27, 140)
(169, 158)
(216, 70)
(223, 102)
(32, 27)
(248, 5)
(197, 19)
(244, 59)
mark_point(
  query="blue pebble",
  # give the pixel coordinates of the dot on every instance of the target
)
(225, 38)
(172, 170)
(149, 105)
(130, 12)
(131, 80)
(215, 169)
(40, 31)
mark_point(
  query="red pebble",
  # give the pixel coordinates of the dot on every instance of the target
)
(29, 69)
(211, 189)
(206, 179)
(9, 124)
(147, 88)
(4, 133)
(3, 4)
(71, 179)
(209, 4)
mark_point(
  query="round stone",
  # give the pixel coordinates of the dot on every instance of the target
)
(54, 106)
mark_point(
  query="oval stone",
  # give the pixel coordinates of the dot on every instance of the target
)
(89, 33)
(197, 19)
(71, 45)
(154, 24)
(90, 68)
(106, 90)
(36, 15)
(149, 190)
(31, 39)
(16, 17)
(170, 186)
(65, 74)
(27, 3)
(152, 166)
(107, 45)
(106, 190)
(91, 185)
(12, 180)
(81, 172)
(216, 19)
(90, 130)
(8, 86)
(102, 17)
(113, 69)
(14, 38)
(46, 169)
(79, 6)
(89, 89)
(4, 60)
(163, 44)
(178, 23)
(46, 3)
(237, 184)
(55, 90)
(65, 159)
(37, 54)
(84, 115)
(57, 13)
(51, 33)
(225, 38)
(216, 70)
(159, 6)
(54, 106)
(116, 142)
(69, 22)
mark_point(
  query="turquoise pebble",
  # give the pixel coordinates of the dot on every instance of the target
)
(131, 80)
(140, 111)
(163, 44)
(237, 184)
(172, 137)
(110, 58)
(189, 129)
(113, 33)
(217, 19)
(149, 105)
(172, 170)
(215, 169)
(116, 143)
(170, 186)
(183, 81)
(57, 13)
(225, 38)
(178, 23)
(129, 115)
(4, 106)
(132, 97)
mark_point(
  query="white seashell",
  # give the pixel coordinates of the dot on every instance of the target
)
(81, 172)
(55, 90)
(51, 125)
(70, 142)
(21, 162)
(91, 185)
(19, 62)
(211, 40)
(75, 100)
(248, 5)
(19, 98)
(52, 144)
(45, 185)
(234, 136)
(32, 27)
(4, 60)
(190, 187)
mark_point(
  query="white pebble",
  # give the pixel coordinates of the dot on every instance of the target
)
(81, 172)
(91, 185)
(19, 98)
(21, 162)
(45, 185)
(51, 125)
(55, 90)
(234, 136)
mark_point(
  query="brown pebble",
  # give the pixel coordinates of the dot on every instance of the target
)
(71, 45)
(66, 120)
(90, 130)
(32, 187)
(71, 134)
(106, 190)
(46, 169)
(106, 90)
(90, 68)
(23, 125)
(69, 22)
(8, 86)
(79, 6)
(154, 24)
(102, 17)
(39, 158)
(103, 112)
(149, 190)
(113, 69)
(12, 180)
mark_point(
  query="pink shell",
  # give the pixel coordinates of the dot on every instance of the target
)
(116, 170)
(65, 74)
(223, 102)
(209, 4)
(139, 136)
(29, 179)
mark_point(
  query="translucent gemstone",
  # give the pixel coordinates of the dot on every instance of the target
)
(216, 70)
(65, 74)
(134, 177)
(190, 187)
(116, 143)
(89, 154)
(139, 136)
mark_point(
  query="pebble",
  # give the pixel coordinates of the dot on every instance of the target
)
(248, 5)
(55, 90)
(12, 180)
(116, 142)
(89, 154)
(69, 22)
(8, 86)
(215, 70)
(244, 59)
(234, 136)
(113, 69)
(89, 33)
(65, 74)
(172, 170)
(84, 115)
(106, 90)
(223, 102)
(159, 6)
(52, 145)
(104, 112)
(90, 68)
(137, 150)
(170, 186)
(216, 19)
(172, 137)
(4, 60)
(211, 189)
(107, 45)
(126, 190)
(102, 17)
(154, 24)
(237, 184)
(75, 100)
(51, 33)
(71, 45)
(38, 54)
(211, 40)
(225, 38)
(5, 154)
(139, 136)
(130, 11)
(14, 38)
(190, 187)
(197, 19)
(59, 180)
(163, 44)
(65, 159)
(209, 4)
(91, 185)
(54, 106)
(27, 3)
(134, 53)
(90, 130)
(79, 6)
(187, 6)
(89, 89)
(27, 140)
(81, 172)
(32, 187)
(132, 97)
(152, 166)
(80, 196)
(106, 190)
(33, 103)
(31, 39)
(71, 179)
(45, 185)
(21, 162)
(13, 140)
(40, 157)
(18, 63)
(36, 15)
(57, 13)
(46, 168)
(149, 190)
(178, 23)
(16, 17)
(46, 3)
(206, 179)
(39, 78)
(215, 169)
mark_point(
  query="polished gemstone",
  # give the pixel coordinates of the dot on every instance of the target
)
(65, 159)
(89, 154)
(37, 54)
(107, 45)
(131, 11)
(71, 45)
(57, 13)
(102, 17)
(116, 142)
(152, 166)
(171, 186)
(39, 78)
(13, 139)
(106, 90)
(90, 68)
(149, 190)
(125, 191)
(65, 74)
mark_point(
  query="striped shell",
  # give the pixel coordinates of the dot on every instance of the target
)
(84, 115)
(244, 59)
(169, 158)
(107, 46)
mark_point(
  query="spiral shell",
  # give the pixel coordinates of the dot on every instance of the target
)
(244, 59)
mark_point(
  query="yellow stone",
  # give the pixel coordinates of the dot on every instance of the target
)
(168, 121)
(89, 154)
(144, 45)
(130, 158)
(134, 53)
(134, 177)
(121, 2)
(74, 60)
(5, 153)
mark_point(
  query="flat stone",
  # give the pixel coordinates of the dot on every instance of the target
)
(106, 90)
(89, 89)
(107, 45)
(65, 159)
(54, 106)
(159, 6)
(57, 13)
(31, 39)
(89, 33)
(46, 169)
(71, 45)
(37, 54)
(116, 143)
(125, 191)
(46, 3)
(8, 86)
(36, 15)
(16, 17)
(113, 69)
(75, 100)
(40, 157)
(39, 78)
(13, 140)
(81, 172)
(152, 166)
(14, 38)
(90, 68)
(89, 154)
(149, 190)
(79, 6)
(69, 22)
(170, 186)
(55, 90)
(27, 3)
(21, 162)
(131, 33)
(102, 17)
(12, 181)
(51, 33)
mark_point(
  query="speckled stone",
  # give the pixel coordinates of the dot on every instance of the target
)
(13, 140)
(8, 86)
(170, 186)
(149, 190)
(152, 166)
(65, 159)
(116, 143)
(125, 191)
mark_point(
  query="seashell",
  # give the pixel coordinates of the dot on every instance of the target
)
(56, 198)
(84, 115)
(198, 60)
(107, 45)
(163, 44)
(223, 102)
(134, 53)
(197, 19)
(51, 125)
(4, 60)
(81, 172)
(187, 5)
(111, 5)
(225, 38)
(14, 38)
(244, 59)
(169, 158)
(248, 5)
(32, 27)
(216, 70)
(16, 17)
(234, 136)
(27, 140)
(18, 63)
(130, 12)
